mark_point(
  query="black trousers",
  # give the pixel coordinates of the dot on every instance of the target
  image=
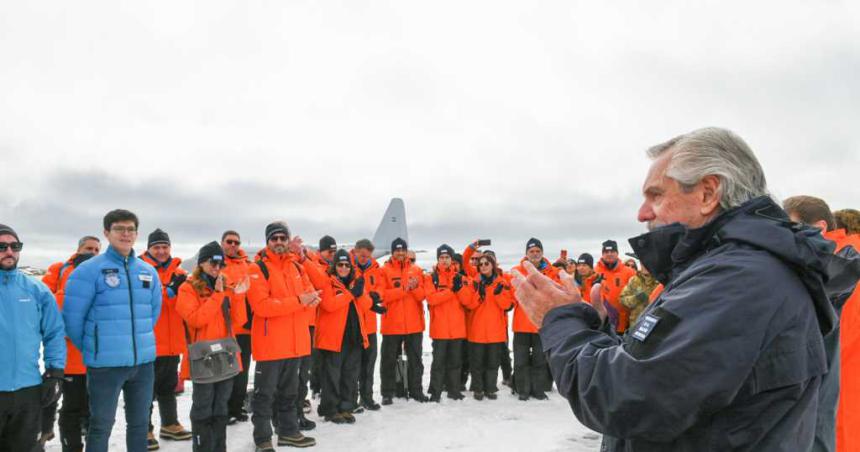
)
(164, 390)
(305, 366)
(275, 382)
(74, 411)
(19, 419)
(392, 344)
(240, 382)
(368, 366)
(339, 379)
(209, 415)
(464, 368)
(530, 364)
(47, 417)
(484, 360)
(507, 369)
(445, 369)
(316, 367)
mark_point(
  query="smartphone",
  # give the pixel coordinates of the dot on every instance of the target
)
(564, 254)
(484, 242)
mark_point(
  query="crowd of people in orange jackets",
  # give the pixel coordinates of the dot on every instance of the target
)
(310, 319)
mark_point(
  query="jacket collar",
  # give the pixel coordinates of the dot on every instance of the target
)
(113, 255)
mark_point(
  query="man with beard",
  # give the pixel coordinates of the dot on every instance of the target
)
(29, 319)
(730, 356)
(279, 295)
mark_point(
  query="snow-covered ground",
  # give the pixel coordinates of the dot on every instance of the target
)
(506, 424)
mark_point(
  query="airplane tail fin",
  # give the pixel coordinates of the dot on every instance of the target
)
(392, 226)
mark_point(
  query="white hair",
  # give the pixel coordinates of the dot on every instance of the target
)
(713, 151)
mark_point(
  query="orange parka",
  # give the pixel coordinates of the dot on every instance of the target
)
(447, 314)
(280, 327)
(55, 278)
(169, 336)
(317, 269)
(614, 281)
(204, 317)
(405, 313)
(848, 411)
(237, 269)
(333, 314)
(372, 275)
(522, 323)
(489, 319)
(585, 287)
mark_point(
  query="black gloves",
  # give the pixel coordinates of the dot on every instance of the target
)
(598, 280)
(458, 283)
(52, 386)
(377, 304)
(498, 289)
(435, 278)
(357, 288)
(175, 281)
(642, 297)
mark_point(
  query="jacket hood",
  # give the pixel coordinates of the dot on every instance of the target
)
(759, 223)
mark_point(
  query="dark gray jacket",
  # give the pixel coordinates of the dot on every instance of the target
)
(729, 357)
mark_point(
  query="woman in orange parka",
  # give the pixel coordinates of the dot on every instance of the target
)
(210, 311)
(340, 337)
(488, 297)
(445, 297)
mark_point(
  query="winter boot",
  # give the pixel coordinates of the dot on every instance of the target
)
(265, 447)
(387, 401)
(370, 405)
(175, 432)
(479, 395)
(492, 396)
(350, 419)
(297, 440)
(151, 442)
(305, 424)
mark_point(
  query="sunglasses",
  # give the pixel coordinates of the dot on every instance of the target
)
(16, 246)
(279, 238)
(217, 263)
(344, 265)
(233, 242)
(485, 264)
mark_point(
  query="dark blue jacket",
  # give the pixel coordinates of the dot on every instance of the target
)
(111, 306)
(730, 356)
(28, 319)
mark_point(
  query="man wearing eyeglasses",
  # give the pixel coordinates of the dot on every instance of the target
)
(237, 269)
(112, 304)
(169, 338)
(29, 318)
(280, 296)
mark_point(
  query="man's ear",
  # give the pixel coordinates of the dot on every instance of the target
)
(710, 196)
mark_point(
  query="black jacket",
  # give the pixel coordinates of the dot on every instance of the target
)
(728, 358)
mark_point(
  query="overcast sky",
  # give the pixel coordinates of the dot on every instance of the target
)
(494, 119)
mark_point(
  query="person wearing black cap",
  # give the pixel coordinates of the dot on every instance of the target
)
(531, 375)
(340, 338)
(316, 266)
(280, 296)
(614, 276)
(30, 320)
(585, 276)
(212, 308)
(445, 298)
(169, 337)
(403, 323)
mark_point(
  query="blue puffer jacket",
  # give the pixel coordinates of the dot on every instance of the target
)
(111, 306)
(28, 318)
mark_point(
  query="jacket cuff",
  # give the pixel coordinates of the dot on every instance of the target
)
(563, 321)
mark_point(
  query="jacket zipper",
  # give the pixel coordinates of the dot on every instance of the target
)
(97, 341)
(266, 326)
(131, 307)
